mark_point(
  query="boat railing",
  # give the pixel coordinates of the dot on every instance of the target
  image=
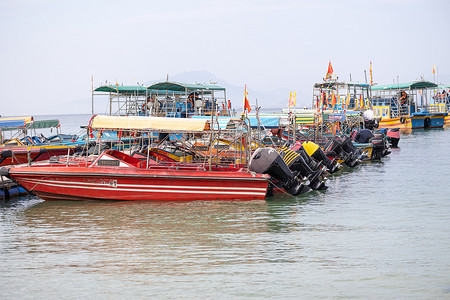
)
(429, 109)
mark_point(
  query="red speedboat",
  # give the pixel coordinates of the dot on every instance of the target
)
(116, 176)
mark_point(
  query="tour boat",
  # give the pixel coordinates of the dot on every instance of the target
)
(117, 176)
(407, 106)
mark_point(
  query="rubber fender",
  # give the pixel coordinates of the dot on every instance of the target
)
(310, 147)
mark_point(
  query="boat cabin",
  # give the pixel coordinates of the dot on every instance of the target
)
(403, 99)
(165, 99)
(347, 95)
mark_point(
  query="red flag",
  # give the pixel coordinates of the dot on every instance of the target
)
(229, 104)
(318, 102)
(329, 71)
(246, 103)
(361, 102)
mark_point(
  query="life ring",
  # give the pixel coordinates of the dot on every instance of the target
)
(402, 120)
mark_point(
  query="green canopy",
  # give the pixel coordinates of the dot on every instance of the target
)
(35, 125)
(122, 89)
(415, 85)
(43, 124)
(176, 86)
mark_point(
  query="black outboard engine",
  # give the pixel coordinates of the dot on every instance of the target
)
(296, 163)
(380, 147)
(332, 165)
(5, 154)
(268, 161)
(343, 149)
(393, 137)
(355, 153)
(363, 136)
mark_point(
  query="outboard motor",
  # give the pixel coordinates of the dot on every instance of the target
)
(313, 150)
(369, 120)
(5, 154)
(296, 163)
(393, 137)
(356, 155)
(363, 136)
(380, 147)
(268, 161)
(343, 149)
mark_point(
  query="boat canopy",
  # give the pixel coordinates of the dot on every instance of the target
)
(99, 122)
(415, 85)
(11, 124)
(123, 89)
(26, 119)
(181, 87)
(43, 124)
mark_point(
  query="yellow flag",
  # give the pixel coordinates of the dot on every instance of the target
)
(347, 102)
(291, 100)
(295, 98)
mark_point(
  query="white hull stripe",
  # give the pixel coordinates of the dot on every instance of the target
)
(169, 189)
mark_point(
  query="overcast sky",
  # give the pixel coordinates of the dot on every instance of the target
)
(50, 49)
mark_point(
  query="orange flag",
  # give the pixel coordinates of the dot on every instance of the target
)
(347, 102)
(246, 103)
(361, 102)
(329, 71)
(370, 72)
(434, 69)
(333, 101)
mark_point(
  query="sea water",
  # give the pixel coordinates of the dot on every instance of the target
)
(381, 230)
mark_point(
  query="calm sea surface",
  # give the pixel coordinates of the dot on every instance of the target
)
(382, 230)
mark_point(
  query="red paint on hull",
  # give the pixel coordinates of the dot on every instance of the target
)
(117, 183)
(20, 154)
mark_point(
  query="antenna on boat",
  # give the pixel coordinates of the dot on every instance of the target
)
(167, 77)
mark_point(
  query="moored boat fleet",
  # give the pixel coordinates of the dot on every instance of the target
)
(173, 141)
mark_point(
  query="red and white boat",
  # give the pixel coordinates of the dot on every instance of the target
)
(114, 175)
(117, 176)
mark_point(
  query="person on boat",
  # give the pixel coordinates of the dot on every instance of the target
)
(403, 98)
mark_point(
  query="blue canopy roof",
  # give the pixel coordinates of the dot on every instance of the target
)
(12, 123)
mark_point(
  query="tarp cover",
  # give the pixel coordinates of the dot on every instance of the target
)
(147, 123)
